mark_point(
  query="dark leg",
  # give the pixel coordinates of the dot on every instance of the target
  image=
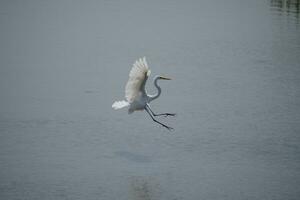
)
(149, 112)
(160, 114)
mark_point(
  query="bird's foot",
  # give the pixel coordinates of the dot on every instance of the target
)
(168, 127)
(169, 114)
(166, 114)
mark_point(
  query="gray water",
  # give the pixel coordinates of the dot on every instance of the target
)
(235, 89)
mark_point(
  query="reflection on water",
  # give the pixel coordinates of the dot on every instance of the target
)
(288, 7)
(144, 188)
(285, 32)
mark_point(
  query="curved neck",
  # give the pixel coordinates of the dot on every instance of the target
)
(152, 97)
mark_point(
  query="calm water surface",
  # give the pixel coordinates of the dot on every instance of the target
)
(235, 89)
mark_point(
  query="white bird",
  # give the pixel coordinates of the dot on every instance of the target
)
(135, 92)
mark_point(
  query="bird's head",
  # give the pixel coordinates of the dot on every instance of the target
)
(164, 78)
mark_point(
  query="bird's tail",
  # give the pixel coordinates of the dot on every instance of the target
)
(119, 104)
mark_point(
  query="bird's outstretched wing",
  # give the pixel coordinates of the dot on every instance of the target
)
(137, 79)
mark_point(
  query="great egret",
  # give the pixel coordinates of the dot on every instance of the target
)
(135, 92)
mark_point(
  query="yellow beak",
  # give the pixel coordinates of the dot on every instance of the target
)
(164, 78)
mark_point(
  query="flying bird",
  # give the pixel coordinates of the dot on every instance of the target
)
(135, 92)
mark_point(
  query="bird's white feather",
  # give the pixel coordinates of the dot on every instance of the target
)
(119, 104)
(137, 78)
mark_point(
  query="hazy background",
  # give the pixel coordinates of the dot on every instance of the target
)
(235, 89)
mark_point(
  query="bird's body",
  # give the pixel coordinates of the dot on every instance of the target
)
(138, 104)
(135, 92)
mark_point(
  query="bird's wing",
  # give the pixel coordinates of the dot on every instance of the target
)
(137, 79)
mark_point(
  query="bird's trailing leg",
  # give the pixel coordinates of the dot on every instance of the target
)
(149, 112)
(160, 114)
